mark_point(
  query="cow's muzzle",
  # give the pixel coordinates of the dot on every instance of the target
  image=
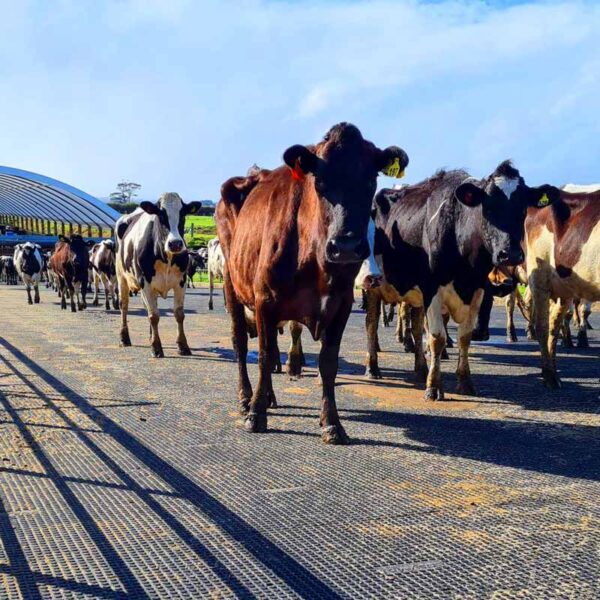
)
(175, 246)
(370, 282)
(346, 249)
(509, 258)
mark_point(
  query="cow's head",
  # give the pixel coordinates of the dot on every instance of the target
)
(28, 258)
(80, 256)
(171, 213)
(504, 198)
(345, 167)
(370, 275)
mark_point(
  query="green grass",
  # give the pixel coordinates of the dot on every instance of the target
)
(204, 230)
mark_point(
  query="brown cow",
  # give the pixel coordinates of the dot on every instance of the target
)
(563, 262)
(69, 262)
(293, 240)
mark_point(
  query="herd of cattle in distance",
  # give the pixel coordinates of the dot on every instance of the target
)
(294, 242)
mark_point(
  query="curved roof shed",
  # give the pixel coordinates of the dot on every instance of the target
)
(29, 195)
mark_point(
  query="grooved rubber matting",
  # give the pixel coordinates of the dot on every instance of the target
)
(124, 476)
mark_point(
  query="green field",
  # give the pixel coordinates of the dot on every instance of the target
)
(199, 230)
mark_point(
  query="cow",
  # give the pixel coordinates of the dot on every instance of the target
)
(28, 262)
(9, 273)
(70, 263)
(581, 310)
(152, 258)
(563, 246)
(293, 241)
(216, 267)
(439, 240)
(104, 270)
(197, 263)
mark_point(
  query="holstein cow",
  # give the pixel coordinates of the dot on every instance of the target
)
(9, 273)
(439, 240)
(196, 263)
(104, 269)
(152, 258)
(28, 262)
(216, 268)
(70, 263)
(563, 263)
(293, 240)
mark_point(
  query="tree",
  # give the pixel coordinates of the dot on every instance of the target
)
(127, 190)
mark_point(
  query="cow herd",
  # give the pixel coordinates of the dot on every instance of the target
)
(295, 241)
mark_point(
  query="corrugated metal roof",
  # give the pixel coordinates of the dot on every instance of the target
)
(27, 194)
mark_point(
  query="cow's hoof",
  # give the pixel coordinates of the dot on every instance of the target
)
(373, 373)
(551, 379)
(480, 336)
(434, 393)
(335, 435)
(210, 306)
(409, 345)
(444, 355)
(244, 406)
(30, 301)
(184, 351)
(582, 339)
(294, 366)
(255, 422)
(115, 305)
(272, 400)
(95, 303)
(511, 339)
(36, 301)
(73, 309)
(450, 342)
(277, 368)
(567, 342)
(465, 387)
(158, 353)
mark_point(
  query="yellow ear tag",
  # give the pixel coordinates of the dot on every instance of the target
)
(544, 200)
(393, 169)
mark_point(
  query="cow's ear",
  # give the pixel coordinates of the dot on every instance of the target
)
(381, 203)
(542, 196)
(300, 160)
(469, 194)
(192, 207)
(392, 161)
(149, 207)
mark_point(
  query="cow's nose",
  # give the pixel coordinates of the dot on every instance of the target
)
(347, 249)
(372, 281)
(175, 245)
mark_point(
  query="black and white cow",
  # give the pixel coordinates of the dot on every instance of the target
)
(439, 240)
(197, 263)
(216, 268)
(152, 258)
(102, 259)
(28, 262)
(8, 272)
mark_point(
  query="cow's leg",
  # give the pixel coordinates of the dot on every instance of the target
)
(95, 300)
(541, 309)
(387, 316)
(107, 291)
(437, 343)
(239, 338)
(400, 324)
(525, 304)
(417, 316)
(36, 291)
(587, 311)
(151, 301)
(295, 354)
(28, 289)
(556, 318)
(62, 291)
(332, 431)
(449, 340)
(211, 284)
(266, 327)
(405, 315)
(178, 311)
(371, 324)
(71, 289)
(582, 336)
(463, 372)
(124, 334)
(565, 328)
(114, 290)
(511, 332)
(276, 356)
(481, 333)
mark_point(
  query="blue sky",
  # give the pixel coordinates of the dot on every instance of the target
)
(179, 95)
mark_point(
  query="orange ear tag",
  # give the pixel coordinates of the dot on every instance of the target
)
(297, 172)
